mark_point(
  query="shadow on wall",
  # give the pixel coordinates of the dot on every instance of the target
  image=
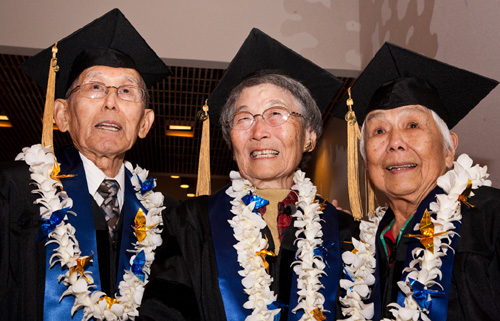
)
(403, 22)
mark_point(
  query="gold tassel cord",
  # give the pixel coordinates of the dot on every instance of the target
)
(203, 183)
(48, 114)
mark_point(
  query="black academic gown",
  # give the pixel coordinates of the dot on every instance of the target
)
(474, 293)
(206, 241)
(23, 255)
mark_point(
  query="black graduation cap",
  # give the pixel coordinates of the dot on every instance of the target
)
(259, 53)
(110, 40)
(397, 77)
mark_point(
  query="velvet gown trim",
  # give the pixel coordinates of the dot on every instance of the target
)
(231, 288)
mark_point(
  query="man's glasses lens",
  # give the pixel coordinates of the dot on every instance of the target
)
(99, 90)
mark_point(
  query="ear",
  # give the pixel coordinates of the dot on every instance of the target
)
(61, 114)
(450, 157)
(311, 137)
(146, 122)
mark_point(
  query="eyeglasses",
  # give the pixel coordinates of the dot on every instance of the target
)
(274, 116)
(96, 90)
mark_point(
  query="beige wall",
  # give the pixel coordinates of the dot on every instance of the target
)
(461, 33)
(197, 33)
(340, 35)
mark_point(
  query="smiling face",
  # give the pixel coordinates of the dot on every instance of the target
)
(268, 156)
(104, 127)
(405, 152)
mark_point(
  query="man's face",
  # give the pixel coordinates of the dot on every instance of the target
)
(108, 126)
(405, 152)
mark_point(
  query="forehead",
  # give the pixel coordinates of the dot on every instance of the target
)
(110, 73)
(397, 113)
(265, 95)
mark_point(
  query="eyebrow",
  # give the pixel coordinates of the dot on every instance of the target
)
(407, 110)
(92, 74)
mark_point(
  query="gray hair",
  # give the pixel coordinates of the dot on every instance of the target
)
(307, 105)
(445, 133)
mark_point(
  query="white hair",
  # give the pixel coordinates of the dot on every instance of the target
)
(445, 132)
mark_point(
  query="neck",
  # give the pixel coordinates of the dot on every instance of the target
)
(110, 165)
(279, 183)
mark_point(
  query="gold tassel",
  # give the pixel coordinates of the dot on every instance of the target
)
(48, 114)
(203, 184)
(353, 181)
(353, 136)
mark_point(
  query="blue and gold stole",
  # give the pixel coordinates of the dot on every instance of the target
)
(77, 190)
(439, 304)
(231, 288)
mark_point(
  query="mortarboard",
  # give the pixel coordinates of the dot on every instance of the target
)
(110, 40)
(259, 53)
(397, 77)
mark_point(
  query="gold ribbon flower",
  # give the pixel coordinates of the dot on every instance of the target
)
(263, 253)
(140, 225)
(427, 232)
(109, 300)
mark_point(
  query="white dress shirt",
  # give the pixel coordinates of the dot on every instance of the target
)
(95, 177)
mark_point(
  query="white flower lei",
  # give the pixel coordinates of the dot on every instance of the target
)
(425, 266)
(247, 231)
(41, 162)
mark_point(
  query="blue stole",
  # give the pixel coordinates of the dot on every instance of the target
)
(232, 291)
(77, 190)
(438, 308)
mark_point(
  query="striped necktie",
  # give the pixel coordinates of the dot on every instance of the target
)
(108, 190)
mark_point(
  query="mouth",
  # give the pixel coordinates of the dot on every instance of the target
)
(397, 168)
(112, 126)
(265, 153)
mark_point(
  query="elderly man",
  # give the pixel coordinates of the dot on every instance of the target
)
(437, 244)
(68, 240)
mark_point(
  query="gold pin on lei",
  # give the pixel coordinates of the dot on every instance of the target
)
(263, 253)
(427, 232)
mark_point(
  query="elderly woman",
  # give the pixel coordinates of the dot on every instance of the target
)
(425, 271)
(266, 247)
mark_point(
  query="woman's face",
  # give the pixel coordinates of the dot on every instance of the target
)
(268, 156)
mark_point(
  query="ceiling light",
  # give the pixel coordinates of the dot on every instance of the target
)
(174, 176)
(184, 186)
(179, 127)
(4, 121)
(190, 195)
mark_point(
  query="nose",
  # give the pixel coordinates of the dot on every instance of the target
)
(110, 98)
(259, 128)
(396, 142)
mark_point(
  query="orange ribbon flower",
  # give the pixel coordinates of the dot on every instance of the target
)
(81, 264)
(465, 194)
(318, 314)
(55, 173)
